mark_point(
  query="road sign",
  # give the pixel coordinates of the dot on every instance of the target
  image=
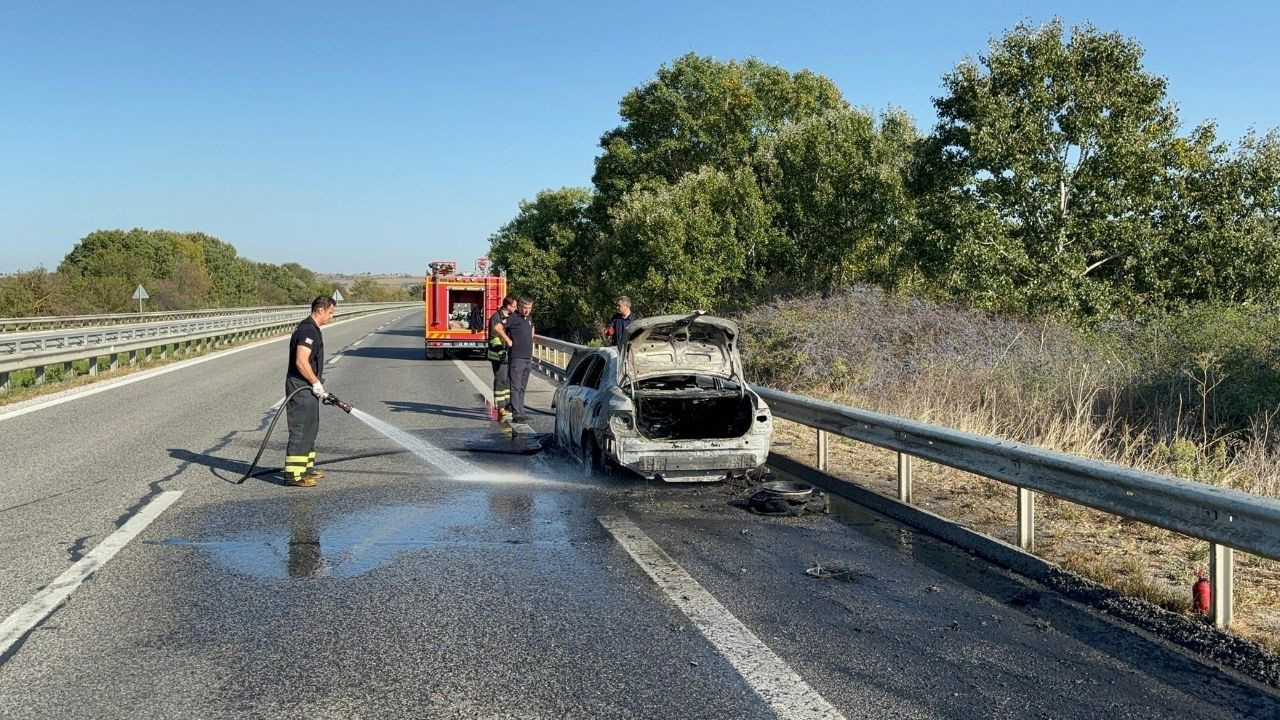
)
(337, 296)
(140, 294)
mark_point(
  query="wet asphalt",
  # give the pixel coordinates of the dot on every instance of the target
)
(490, 590)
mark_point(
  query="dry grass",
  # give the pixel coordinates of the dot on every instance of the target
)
(1048, 386)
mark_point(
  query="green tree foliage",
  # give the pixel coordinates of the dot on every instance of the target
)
(1224, 221)
(34, 293)
(838, 182)
(179, 270)
(1058, 182)
(702, 112)
(687, 246)
(548, 251)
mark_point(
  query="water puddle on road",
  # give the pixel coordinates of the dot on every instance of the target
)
(314, 542)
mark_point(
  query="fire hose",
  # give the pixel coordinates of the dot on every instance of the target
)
(328, 399)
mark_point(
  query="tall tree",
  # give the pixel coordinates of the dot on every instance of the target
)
(548, 252)
(1056, 154)
(701, 112)
(838, 183)
(687, 246)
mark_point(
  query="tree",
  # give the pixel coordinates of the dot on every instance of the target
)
(234, 284)
(35, 293)
(700, 112)
(548, 252)
(687, 246)
(838, 182)
(1056, 155)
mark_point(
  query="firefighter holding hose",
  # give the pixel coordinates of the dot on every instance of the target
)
(306, 363)
(496, 351)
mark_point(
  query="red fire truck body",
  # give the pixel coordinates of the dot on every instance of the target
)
(457, 306)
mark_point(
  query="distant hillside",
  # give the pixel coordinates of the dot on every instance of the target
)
(388, 279)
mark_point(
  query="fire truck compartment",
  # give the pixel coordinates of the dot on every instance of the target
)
(466, 309)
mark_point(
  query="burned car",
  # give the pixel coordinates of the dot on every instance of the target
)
(673, 404)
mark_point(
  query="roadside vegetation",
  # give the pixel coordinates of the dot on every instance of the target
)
(180, 271)
(1193, 394)
(1057, 261)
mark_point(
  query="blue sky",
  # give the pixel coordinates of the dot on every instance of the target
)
(378, 136)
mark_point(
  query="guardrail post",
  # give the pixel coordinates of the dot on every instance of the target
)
(822, 450)
(133, 357)
(1026, 519)
(5, 383)
(39, 375)
(93, 367)
(904, 478)
(1222, 581)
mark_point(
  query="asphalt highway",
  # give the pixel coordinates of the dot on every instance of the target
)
(456, 575)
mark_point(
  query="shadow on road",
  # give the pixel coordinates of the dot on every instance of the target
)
(408, 332)
(433, 409)
(387, 353)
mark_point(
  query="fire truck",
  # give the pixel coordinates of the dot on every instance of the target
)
(457, 306)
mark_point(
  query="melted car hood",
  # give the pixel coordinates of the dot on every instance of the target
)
(680, 344)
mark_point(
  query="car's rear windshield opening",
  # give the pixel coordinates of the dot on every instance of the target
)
(691, 407)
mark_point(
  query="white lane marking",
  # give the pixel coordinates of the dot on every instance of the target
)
(105, 385)
(56, 592)
(485, 389)
(769, 675)
(335, 359)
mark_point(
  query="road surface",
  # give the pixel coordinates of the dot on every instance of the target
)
(461, 578)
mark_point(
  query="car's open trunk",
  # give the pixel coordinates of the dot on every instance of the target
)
(691, 407)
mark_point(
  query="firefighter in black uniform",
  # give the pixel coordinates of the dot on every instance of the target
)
(496, 351)
(306, 363)
(520, 330)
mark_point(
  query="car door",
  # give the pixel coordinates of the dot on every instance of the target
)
(579, 402)
(568, 397)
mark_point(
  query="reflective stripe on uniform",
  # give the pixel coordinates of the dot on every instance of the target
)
(311, 460)
(296, 464)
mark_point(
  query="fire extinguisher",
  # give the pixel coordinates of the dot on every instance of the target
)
(1201, 593)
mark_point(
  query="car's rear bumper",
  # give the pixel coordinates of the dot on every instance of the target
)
(692, 460)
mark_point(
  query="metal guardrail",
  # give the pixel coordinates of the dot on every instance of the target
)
(41, 351)
(1225, 518)
(30, 324)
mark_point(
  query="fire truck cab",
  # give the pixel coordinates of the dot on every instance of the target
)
(457, 306)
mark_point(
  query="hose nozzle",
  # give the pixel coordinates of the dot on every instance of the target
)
(332, 399)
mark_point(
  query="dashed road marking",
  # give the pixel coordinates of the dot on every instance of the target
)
(334, 359)
(768, 675)
(55, 593)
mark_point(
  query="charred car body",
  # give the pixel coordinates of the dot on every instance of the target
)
(672, 404)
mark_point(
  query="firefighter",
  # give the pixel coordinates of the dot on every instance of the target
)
(519, 330)
(306, 362)
(496, 351)
(621, 320)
